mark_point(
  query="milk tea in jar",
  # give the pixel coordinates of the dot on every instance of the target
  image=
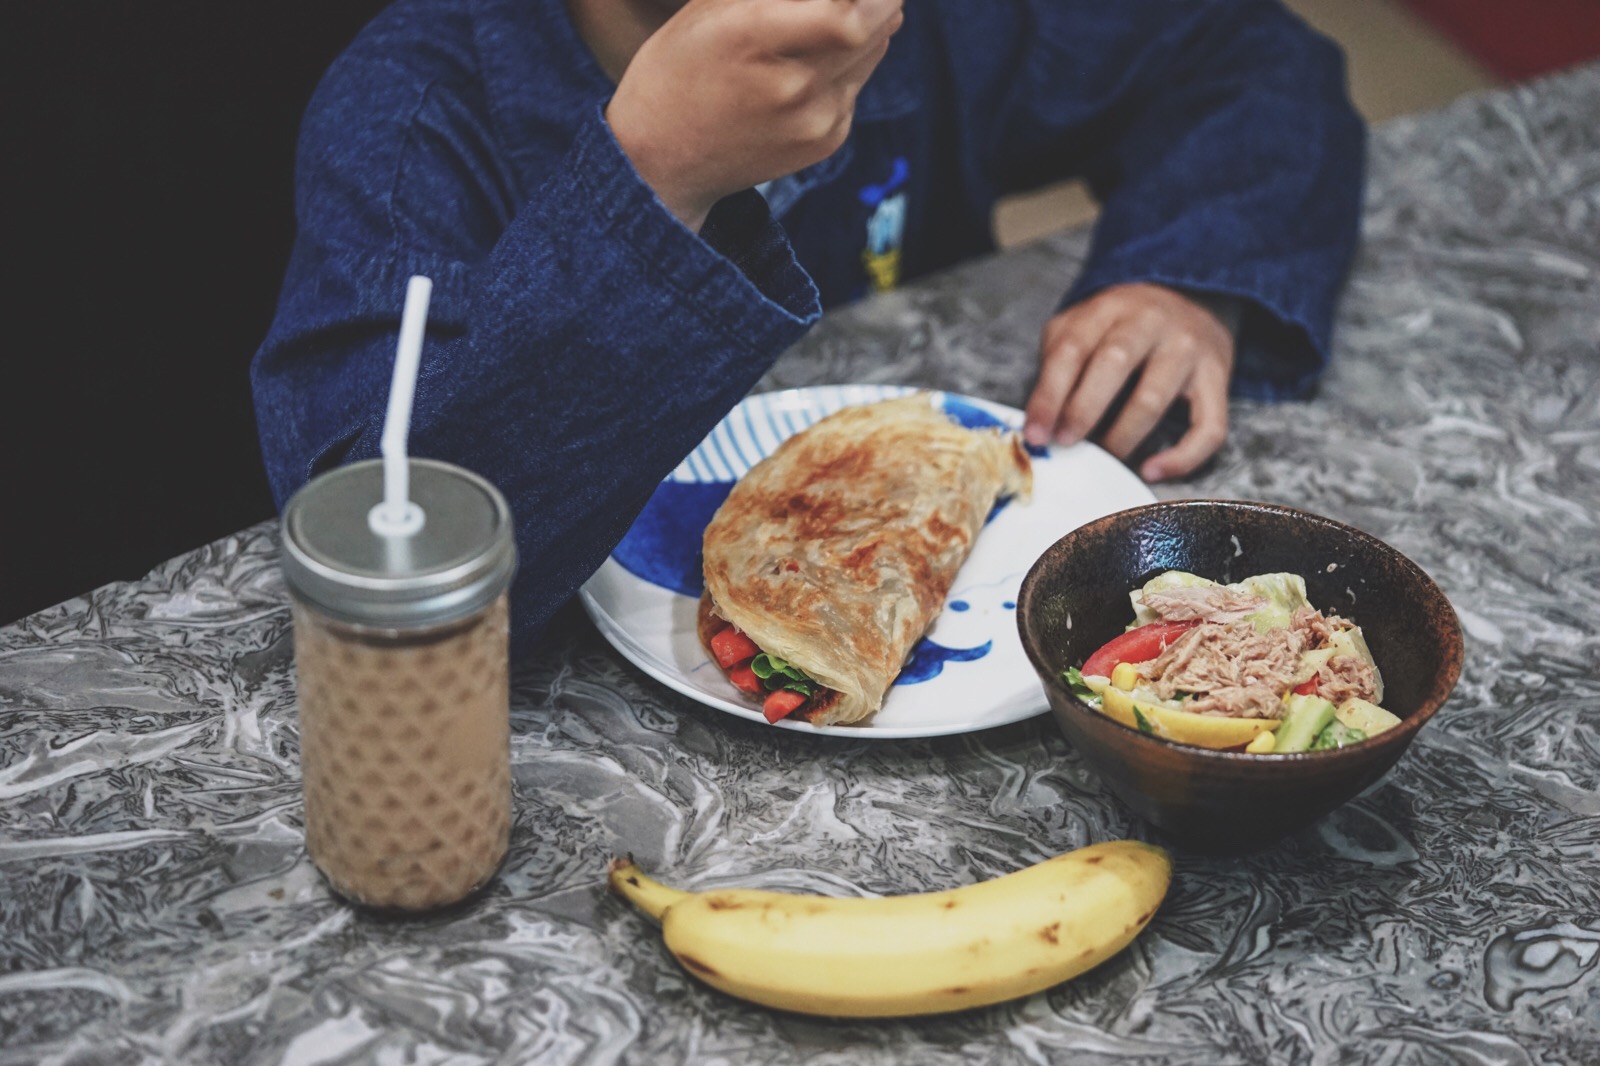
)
(400, 647)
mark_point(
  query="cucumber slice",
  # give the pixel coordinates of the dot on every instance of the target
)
(1337, 735)
(1306, 717)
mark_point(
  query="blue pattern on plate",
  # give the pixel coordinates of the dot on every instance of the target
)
(969, 414)
(928, 659)
(663, 544)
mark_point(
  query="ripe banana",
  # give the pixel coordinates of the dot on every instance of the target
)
(903, 955)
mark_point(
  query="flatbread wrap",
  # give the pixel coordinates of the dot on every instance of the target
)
(833, 555)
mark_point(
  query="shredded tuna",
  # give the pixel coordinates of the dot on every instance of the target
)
(1224, 666)
(1251, 701)
(1228, 667)
(1317, 628)
(1345, 677)
(1211, 603)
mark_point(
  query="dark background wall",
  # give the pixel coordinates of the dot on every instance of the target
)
(147, 157)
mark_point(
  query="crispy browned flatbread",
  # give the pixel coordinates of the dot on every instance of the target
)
(836, 551)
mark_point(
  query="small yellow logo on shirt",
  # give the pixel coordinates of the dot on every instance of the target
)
(886, 227)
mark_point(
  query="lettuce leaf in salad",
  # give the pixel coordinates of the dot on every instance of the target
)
(1090, 693)
(1080, 688)
(776, 673)
(1284, 593)
(1170, 579)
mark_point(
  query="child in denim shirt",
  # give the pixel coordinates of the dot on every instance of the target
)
(581, 182)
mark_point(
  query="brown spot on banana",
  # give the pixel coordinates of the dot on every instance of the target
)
(723, 903)
(958, 990)
(1094, 860)
(1051, 933)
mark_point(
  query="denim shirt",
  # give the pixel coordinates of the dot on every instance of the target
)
(582, 340)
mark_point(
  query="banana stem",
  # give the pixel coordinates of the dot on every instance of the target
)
(651, 897)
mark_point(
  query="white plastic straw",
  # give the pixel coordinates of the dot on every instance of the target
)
(397, 516)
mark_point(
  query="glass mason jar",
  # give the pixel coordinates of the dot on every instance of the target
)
(403, 685)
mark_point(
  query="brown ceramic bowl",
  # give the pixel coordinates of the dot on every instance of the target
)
(1075, 598)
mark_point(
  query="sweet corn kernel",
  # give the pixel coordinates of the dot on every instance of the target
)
(1125, 676)
(1263, 744)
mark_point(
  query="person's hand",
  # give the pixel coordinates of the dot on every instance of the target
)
(730, 93)
(1175, 347)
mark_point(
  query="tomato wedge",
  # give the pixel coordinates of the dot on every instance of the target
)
(730, 646)
(745, 679)
(781, 704)
(1134, 646)
(1308, 687)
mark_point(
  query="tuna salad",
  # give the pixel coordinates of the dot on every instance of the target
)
(1252, 666)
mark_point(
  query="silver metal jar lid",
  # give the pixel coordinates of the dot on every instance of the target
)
(461, 559)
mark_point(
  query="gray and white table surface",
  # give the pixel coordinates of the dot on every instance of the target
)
(156, 902)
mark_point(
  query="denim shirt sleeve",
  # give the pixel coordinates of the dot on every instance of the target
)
(573, 362)
(1228, 159)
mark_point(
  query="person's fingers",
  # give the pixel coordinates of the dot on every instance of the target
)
(859, 63)
(1164, 377)
(858, 66)
(881, 10)
(1118, 356)
(1067, 340)
(1208, 426)
(815, 78)
(824, 115)
(813, 30)
(884, 17)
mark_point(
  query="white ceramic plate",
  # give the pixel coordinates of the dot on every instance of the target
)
(968, 673)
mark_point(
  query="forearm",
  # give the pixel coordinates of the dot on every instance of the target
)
(574, 366)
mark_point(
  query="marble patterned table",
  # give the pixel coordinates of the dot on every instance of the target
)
(156, 903)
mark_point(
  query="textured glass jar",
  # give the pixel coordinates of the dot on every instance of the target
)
(402, 676)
